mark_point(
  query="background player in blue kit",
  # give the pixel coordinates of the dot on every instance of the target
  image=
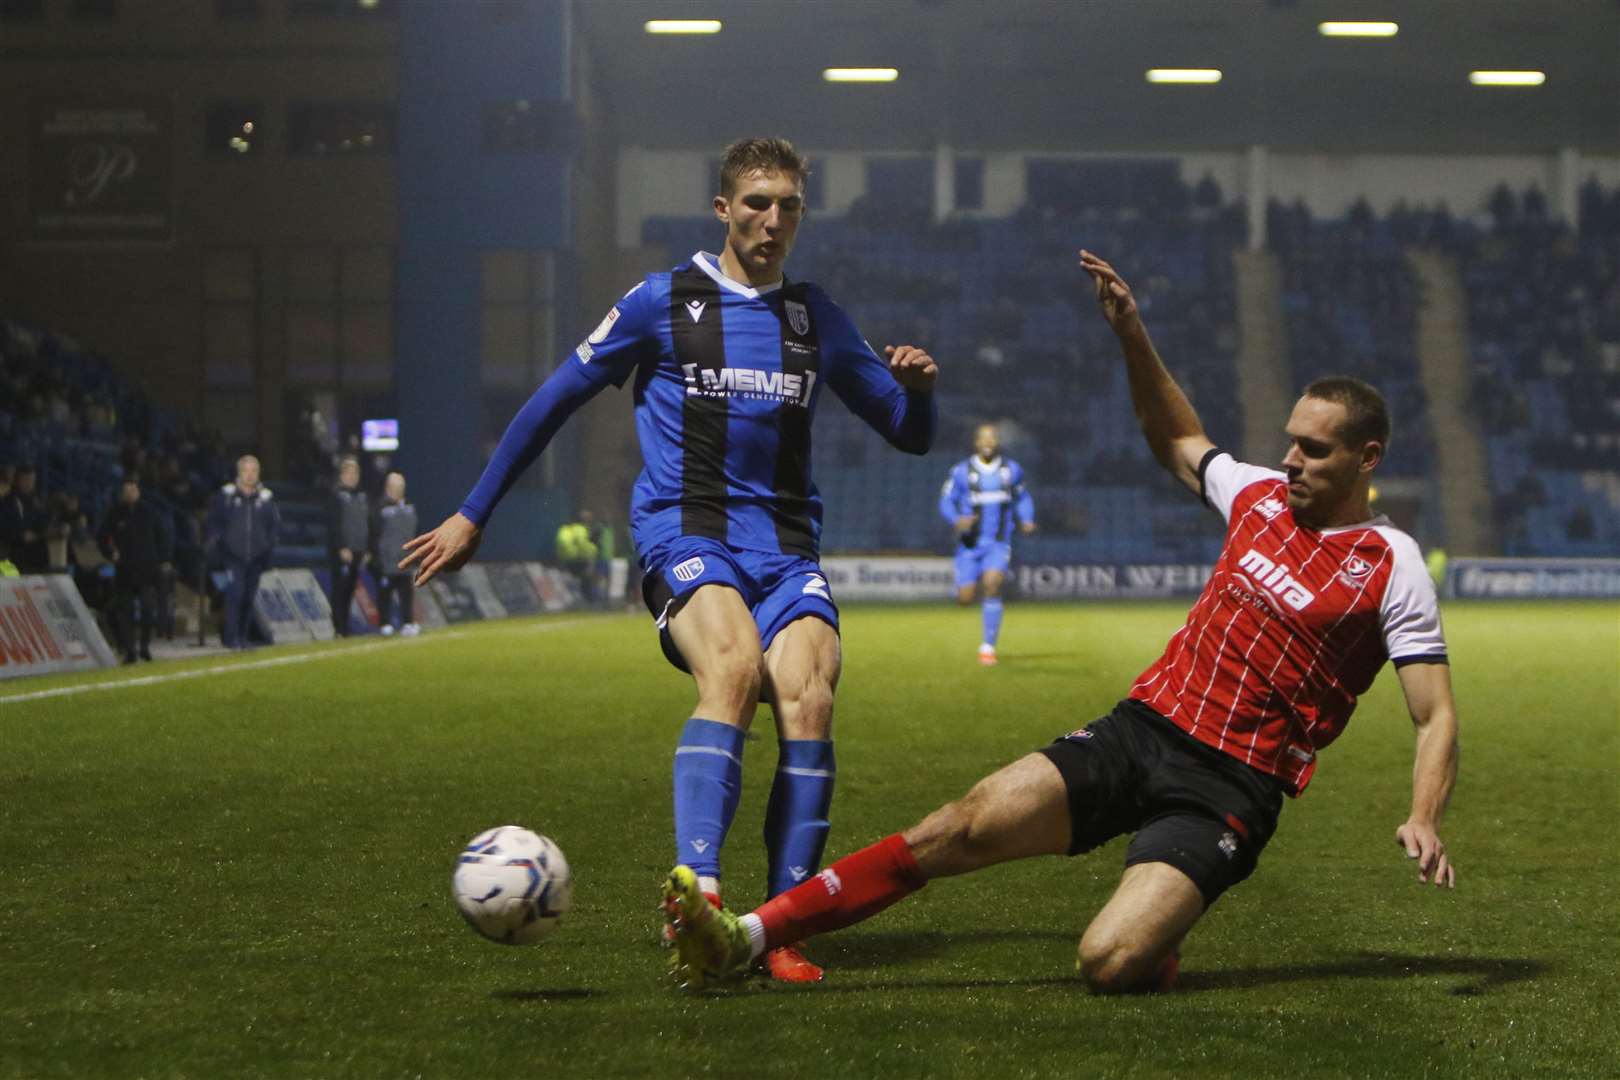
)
(982, 500)
(729, 359)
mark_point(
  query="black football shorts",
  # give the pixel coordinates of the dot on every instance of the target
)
(1192, 806)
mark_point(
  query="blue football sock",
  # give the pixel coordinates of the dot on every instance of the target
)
(796, 822)
(992, 619)
(708, 783)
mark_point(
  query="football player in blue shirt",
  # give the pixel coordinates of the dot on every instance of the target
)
(982, 499)
(729, 359)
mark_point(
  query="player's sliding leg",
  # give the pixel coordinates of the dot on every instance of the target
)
(801, 675)
(717, 638)
(991, 613)
(1018, 812)
(1132, 943)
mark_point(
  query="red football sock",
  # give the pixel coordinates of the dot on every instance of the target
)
(855, 887)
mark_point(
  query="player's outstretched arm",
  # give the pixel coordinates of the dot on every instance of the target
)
(1168, 420)
(1434, 771)
(445, 549)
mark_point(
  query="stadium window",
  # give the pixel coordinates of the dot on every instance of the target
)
(348, 129)
(233, 128)
(94, 9)
(238, 10)
(523, 126)
(342, 9)
(22, 10)
(969, 183)
(517, 344)
(900, 181)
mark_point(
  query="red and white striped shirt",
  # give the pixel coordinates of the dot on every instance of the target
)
(1291, 628)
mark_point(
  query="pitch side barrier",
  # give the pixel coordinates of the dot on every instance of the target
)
(1533, 579)
(45, 628)
(902, 579)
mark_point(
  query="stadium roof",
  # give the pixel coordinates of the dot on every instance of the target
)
(1069, 74)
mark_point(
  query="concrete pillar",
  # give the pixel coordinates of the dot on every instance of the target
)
(1257, 190)
(944, 181)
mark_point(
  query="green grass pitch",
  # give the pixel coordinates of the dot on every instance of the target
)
(246, 873)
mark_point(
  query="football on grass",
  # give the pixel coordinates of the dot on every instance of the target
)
(512, 885)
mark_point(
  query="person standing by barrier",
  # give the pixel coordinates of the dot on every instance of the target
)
(133, 537)
(348, 539)
(243, 526)
(392, 525)
(577, 553)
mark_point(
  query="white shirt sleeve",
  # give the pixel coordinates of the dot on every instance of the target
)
(1409, 613)
(1223, 476)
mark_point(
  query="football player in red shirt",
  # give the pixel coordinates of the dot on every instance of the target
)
(1312, 594)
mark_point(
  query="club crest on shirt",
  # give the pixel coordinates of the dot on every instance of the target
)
(1353, 572)
(688, 570)
(798, 316)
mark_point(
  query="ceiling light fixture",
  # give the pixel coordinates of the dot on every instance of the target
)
(860, 74)
(1507, 78)
(1358, 29)
(1184, 75)
(683, 26)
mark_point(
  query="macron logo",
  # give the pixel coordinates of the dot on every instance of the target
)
(1276, 579)
(830, 879)
(798, 872)
(700, 846)
(695, 308)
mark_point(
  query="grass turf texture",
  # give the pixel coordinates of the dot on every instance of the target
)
(247, 874)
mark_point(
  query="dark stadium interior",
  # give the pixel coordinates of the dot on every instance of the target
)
(318, 247)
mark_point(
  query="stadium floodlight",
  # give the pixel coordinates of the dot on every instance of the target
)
(860, 74)
(1358, 29)
(1507, 78)
(1184, 75)
(683, 26)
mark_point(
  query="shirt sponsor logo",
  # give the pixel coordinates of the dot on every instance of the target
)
(1277, 580)
(688, 570)
(788, 388)
(798, 317)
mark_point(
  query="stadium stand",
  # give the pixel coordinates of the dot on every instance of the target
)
(1001, 300)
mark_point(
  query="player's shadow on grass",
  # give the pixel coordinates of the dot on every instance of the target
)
(877, 951)
(572, 994)
(1486, 973)
(886, 950)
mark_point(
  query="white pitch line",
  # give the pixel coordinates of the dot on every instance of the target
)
(268, 662)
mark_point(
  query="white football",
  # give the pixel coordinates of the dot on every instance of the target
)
(512, 885)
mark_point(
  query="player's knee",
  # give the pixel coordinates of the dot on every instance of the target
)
(965, 595)
(1111, 963)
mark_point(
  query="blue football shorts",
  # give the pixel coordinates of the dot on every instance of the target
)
(777, 588)
(973, 562)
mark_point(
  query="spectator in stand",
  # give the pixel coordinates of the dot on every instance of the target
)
(10, 508)
(243, 526)
(133, 537)
(394, 523)
(65, 530)
(28, 547)
(348, 529)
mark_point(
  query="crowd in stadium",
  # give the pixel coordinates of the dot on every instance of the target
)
(1000, 298)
